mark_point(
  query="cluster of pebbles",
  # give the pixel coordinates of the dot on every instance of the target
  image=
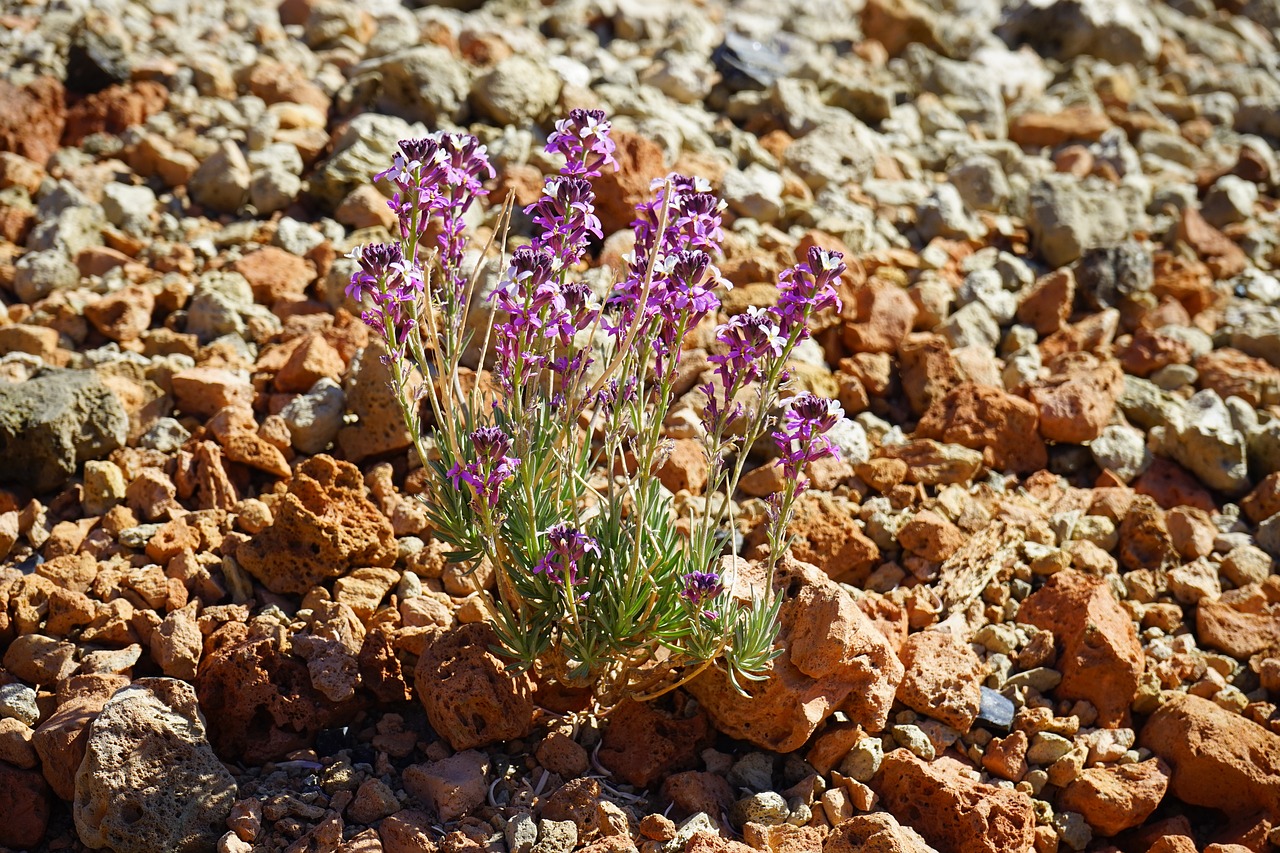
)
(1033, 607)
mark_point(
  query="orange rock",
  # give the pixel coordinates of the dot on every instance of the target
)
(878, 832)
(643, 743)
(1264, 501)
(1101, 659)
(1002, 426)
(1219, 759)
(1040, 130)
(1169, 485)
(1079, 397)
(1150, 350)
(827, 536)
(1239, 631)
(205, 390)
(1047, 304)
(953, 812)
(898, 23)
(1007, 757)
(470, 698)
(32, 118)
(1145, 542)
(275, 274)
(312, 360)
(1191, 531)
(878, 317)
(323, 527)
(114, 110)
(928, 370)
(640, 161)
(685, 468)
(61, 739)
(1232, 373)
(123, 315)
(1224, 258)
(943, 679)
(833, 658)
(26, 805)
(931, 536)
(1115, 798)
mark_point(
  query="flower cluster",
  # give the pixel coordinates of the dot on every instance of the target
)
(553, 479)
(803, 436)
(491, 468)
(438, 176)
(702, 588)
(567, 548)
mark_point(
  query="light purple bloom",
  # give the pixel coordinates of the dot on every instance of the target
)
(802, 438)
(567, 547)
(807, 288)
(583, 139)
(491, 468)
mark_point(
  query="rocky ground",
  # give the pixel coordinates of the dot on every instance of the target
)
(1035, 607)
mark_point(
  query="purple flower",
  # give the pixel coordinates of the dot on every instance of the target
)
(807, 288)
(583, 139)
(567, 547)
(749, 338)
(802, 437)
(566, 214)
(491, 468)
(702, 588)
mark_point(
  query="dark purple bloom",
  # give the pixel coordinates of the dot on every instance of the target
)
(701, 588)
(807, 288)
(566, 214)
(802, 437)
(491, 468)
(583, 139)
(567, 547)
(749, 338)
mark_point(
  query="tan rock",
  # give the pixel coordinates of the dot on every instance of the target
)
(15, 744)
(878, 832)
(61, 738)
(275, 275)
(123, 315)
(1115, 798)
(1101, 659)
(951, 811)
(1219, 759)
(150, 730)
(205, 390)
(37, 659)
(177, 644)
(943, 678)
(931, 536)
(1003, 427)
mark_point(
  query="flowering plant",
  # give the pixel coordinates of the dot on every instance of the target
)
(551, 475)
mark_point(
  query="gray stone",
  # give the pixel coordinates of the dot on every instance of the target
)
(1203, 440)
(129, 207)
(364, 149)
(833, 153)
(518, 90)
(767, 807)
(315, 417)
(1067, 216)
(942, 214)
(273, 189)
(1107, 275)
(222, 181)
(863, 761)
(165, 435)
(1229, 200)
(37, 274)
(216, 305)
(995, 709)
(1117, 31)
(424, 83)
(53, 423)
(1253, 329)
(149, 779)
(1268, 536)
(1121, 450)
(913, 739)
(556, 836)
(1047, 747)
(18, 701)
(754, 771)
(755, 192)
(521, 833)
(981, 182)
(971, 325)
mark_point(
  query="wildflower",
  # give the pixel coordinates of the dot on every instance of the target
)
(566, 214)
(749, 338)
(807, 288)
(702, 588)
(802, 438)
(491, 468)
(583, 139)
(568, 546)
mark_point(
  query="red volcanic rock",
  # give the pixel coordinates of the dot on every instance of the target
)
(1219, 759)
(1101, 658)
(323, 527)
(943, 678)
(32, 118)
(114, 110)
(1115, 798)
(258, 698)
(644, 743)
(1002, 426)
(468, 695)
(25, 804)
(953, 812)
